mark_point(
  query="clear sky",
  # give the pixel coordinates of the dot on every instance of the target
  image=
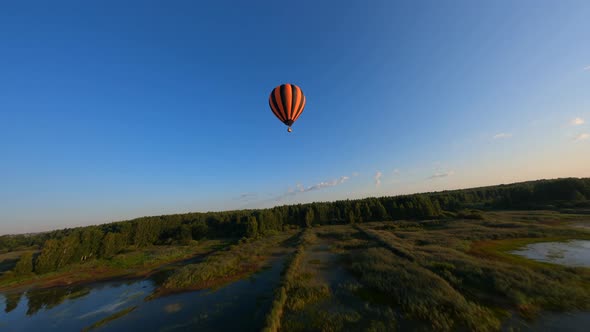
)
(117, 109)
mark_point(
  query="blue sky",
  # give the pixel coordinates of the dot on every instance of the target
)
(116, 109)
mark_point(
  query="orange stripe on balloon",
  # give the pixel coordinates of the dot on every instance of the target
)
(288, 102)
(301, 107)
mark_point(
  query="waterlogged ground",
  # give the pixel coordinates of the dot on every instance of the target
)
(551, 322)
(428, 275)
(70, 308)
(571, 253)
(130, 305)
(239, 306)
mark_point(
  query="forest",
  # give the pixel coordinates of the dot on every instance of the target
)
(59, 248)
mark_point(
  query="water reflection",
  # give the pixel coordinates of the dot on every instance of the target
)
(69, 308)
(572, 253)
(108, 304)
(12, 301)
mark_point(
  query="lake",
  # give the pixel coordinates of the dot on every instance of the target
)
(241, 305)
(571, 253)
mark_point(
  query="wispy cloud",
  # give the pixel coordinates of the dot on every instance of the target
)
(299, 188)
(577, 121)
(355, 173)
(378, 176)
(587, 68)
(502, 135)
(582, 137)
(324, 184)
(396, 172)
(438, 175)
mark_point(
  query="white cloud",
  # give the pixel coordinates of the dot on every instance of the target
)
(441, 175)
(582, 137)
(396, 172)
(378, 176)
(587, 68)
(502, 135)
(299, 188)
(355, 173)
(577, 122)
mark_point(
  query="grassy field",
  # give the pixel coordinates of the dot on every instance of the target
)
(224, 266)
(429, 275)
(443, 275)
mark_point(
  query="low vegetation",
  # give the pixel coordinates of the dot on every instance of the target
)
(242, 258)
(273, 318)
(451, 276)
(129, 264)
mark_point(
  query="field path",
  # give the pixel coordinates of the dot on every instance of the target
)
(324, 297)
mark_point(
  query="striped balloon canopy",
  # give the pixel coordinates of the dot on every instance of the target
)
(287, 103)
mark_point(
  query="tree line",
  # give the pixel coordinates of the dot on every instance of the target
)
(62, 247)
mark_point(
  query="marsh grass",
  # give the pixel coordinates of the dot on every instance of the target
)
(326, 298)
(419, 293)
(273, 318)
(129, 264)
(222, 266)
(462, 274)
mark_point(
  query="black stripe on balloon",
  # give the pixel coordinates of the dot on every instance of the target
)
(274, 102)
(284, 100)
(270, 103)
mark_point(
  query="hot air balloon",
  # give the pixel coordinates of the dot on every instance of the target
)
(287, 102)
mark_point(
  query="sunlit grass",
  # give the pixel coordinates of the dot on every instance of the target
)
(240, 258)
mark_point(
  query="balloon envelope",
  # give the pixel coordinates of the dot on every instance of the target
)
(287, 103)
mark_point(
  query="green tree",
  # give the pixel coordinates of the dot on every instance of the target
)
(351, 217)
(379, 212)
(309, 217)
(47, 260)
(112, 244)
(366, 212)
(577, 196)
(199, 229)
(251, 227)
(69, 250)
(185, 235)
(358, 216)
(90, 242)
(146, 232)
(24, 266)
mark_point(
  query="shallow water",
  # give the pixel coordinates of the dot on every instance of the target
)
(571, 253)
(549, 321)
(241, 305)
